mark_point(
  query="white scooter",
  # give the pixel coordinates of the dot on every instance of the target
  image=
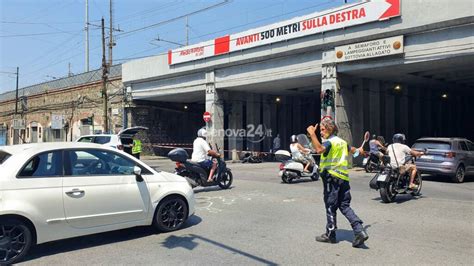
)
(291, 170)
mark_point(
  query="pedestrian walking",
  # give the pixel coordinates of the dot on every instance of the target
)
(334, 173)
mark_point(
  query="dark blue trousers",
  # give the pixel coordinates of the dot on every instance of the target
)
(337, 195)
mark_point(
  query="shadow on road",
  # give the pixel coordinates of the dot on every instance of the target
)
(343, 235)
(188, 242)
(209, 189)
(401, 198)
(303, 180)
(67, 245)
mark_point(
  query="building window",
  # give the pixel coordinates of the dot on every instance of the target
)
(57, 133)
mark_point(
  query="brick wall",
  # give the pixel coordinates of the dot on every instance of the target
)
(74, 104)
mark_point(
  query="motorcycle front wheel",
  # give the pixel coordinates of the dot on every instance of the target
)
(418, 181)
(386, 192)
(315, 176)
(369, 167)
(226, 179)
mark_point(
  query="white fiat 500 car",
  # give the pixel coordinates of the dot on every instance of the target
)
(59, 190)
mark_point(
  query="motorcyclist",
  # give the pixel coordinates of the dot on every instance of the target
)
(397, 152)
(375, 146)
(299, 153)
(202, 151)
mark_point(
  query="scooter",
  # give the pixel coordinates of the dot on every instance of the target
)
(290, 169)
(372, 163)
(196, 175)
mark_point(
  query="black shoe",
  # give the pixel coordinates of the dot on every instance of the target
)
(326, 239)
(360, 238)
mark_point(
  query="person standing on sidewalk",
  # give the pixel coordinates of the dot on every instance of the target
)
(335, 176)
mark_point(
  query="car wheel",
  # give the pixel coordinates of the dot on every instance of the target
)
(170, 214)
(15, 240)
(459, 176)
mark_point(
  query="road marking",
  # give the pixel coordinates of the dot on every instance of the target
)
(208, 203)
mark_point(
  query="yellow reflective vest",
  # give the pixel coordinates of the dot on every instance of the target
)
(137, 146)
(335, 162)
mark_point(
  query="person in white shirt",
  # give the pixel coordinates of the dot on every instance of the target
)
(300, 153)
(397, 152)
(201, 153)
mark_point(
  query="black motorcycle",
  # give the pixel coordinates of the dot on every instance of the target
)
(390, 181)
(196, 175)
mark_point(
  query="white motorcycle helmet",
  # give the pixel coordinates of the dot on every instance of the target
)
(202, 132)
(293, 139)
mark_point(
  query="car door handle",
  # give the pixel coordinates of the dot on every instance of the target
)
(75, 192)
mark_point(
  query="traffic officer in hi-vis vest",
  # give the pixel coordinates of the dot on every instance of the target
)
(335, 176)
(136, 148)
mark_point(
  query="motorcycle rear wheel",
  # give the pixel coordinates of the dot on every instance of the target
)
(286, 178)
(386, 192)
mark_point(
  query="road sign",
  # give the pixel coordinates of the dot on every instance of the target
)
(57, 121)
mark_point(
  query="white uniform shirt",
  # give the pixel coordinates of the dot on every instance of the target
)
(401, 151)
(200, 149)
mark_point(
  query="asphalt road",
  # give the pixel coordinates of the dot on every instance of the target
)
(262, 221)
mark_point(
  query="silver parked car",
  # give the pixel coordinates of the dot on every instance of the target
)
(452, 157)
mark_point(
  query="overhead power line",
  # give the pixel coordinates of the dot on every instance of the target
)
(38, 23)
(36, 34)
(173, 19)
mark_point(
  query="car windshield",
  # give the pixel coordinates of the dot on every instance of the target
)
(4, 156)
(432, 145)
(101, 139)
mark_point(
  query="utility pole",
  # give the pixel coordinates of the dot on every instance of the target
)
(104, 82)
(187, 30)
(87, 37)
(16, 98)
(69, 73)
(111, 38)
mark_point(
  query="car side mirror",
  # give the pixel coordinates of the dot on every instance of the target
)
(138, 173)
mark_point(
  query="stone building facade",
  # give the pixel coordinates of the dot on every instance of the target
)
(62, 110)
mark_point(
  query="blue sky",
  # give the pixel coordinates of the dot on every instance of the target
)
(42, 37)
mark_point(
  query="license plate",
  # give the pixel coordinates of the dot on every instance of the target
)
(427, 157)
(382, 178)
(364, 162)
